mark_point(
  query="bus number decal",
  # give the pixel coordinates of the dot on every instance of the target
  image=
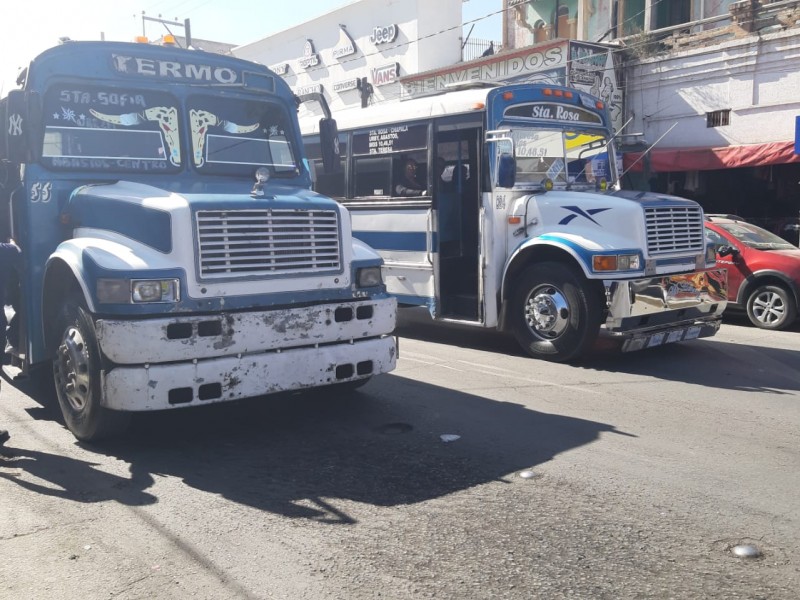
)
(500, 202)
(40, 192)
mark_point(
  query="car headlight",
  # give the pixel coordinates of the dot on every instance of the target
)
(369, 277)
(616, 262)
(126, 291)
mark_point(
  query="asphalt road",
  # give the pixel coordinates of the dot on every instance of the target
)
(644, 471)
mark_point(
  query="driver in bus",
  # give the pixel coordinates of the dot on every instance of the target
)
(408, 185)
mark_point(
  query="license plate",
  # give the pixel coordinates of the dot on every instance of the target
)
(692, 332)
(674, 336)
(656, 340)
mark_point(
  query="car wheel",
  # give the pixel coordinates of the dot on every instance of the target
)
(555, 312)
(771, 307)
(76, 373)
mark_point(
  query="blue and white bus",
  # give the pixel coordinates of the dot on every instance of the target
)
(517, 221)
(173, 253)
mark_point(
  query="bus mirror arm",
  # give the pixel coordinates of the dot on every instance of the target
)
(328, 133)
(319, 99)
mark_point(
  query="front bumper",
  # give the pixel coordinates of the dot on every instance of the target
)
(665, 309)
(157, 387)
(185, 360)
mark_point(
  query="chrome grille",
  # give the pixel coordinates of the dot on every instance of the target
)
(674, 229)
(239, 243)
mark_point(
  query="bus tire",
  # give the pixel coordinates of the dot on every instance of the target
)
(771, 307)
(76, 374)
(555, 312)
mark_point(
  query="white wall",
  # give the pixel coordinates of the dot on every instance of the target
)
(756, 77)
(436, 24)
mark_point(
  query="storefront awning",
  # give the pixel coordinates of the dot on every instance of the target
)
(705, 159)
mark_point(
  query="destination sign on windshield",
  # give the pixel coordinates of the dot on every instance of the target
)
(547, 111)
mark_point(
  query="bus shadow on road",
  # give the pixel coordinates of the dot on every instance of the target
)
(709, 363)
(706, 362)
(299, 455)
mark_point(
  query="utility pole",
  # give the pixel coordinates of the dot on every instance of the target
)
(186, 26)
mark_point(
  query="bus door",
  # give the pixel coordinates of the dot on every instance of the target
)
(391, 208)
(457, 204)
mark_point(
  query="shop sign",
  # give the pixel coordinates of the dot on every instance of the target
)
(386, 74)
(280, 69)
(346, 46)
(506, 70)
(314, 88)
(343, 86)
(310, 57)
(384, 34)
(592, 69)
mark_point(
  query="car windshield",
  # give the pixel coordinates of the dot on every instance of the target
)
(568, 158)
(754, 236)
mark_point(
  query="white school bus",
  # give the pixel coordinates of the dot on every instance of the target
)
(517, 222)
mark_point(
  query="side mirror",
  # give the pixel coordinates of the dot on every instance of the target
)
(727, 251)
(21, 120)
(329, 145)
(506, 171)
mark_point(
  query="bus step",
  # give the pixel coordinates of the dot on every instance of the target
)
(463, 305)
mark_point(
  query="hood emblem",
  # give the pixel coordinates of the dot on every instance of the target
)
(579, 212)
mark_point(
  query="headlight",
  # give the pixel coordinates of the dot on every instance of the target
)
(114, 291)
(616, 262)
(155, 290)
(126, 291)
(368, 277)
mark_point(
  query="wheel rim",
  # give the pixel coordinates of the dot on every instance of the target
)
(547, 312)
(72, 368)
(768, 308)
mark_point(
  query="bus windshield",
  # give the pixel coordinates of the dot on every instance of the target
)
(231, 136)
(101, 128)
(567, 158)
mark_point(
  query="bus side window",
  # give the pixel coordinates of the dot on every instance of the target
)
(373, 176)
(327, 184)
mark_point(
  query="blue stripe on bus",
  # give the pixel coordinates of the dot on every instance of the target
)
(394, 240)
(408, 300)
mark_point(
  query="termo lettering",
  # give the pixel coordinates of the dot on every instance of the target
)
(170, 69)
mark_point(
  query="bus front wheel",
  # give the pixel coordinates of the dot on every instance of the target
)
(76, 372)
(555, 312)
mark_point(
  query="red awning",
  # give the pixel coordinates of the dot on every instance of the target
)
(706, 159)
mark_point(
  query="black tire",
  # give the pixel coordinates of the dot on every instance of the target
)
(76, 374)
(771, 307)
(555, 312)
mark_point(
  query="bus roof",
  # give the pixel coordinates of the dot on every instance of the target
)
(456, 102)
(125, 61)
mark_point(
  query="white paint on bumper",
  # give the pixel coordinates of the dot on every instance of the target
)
(186, 337)
(157, 387)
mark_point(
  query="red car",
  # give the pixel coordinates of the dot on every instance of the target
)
(763, 270)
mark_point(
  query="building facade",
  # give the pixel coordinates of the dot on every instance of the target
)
(703, 92)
